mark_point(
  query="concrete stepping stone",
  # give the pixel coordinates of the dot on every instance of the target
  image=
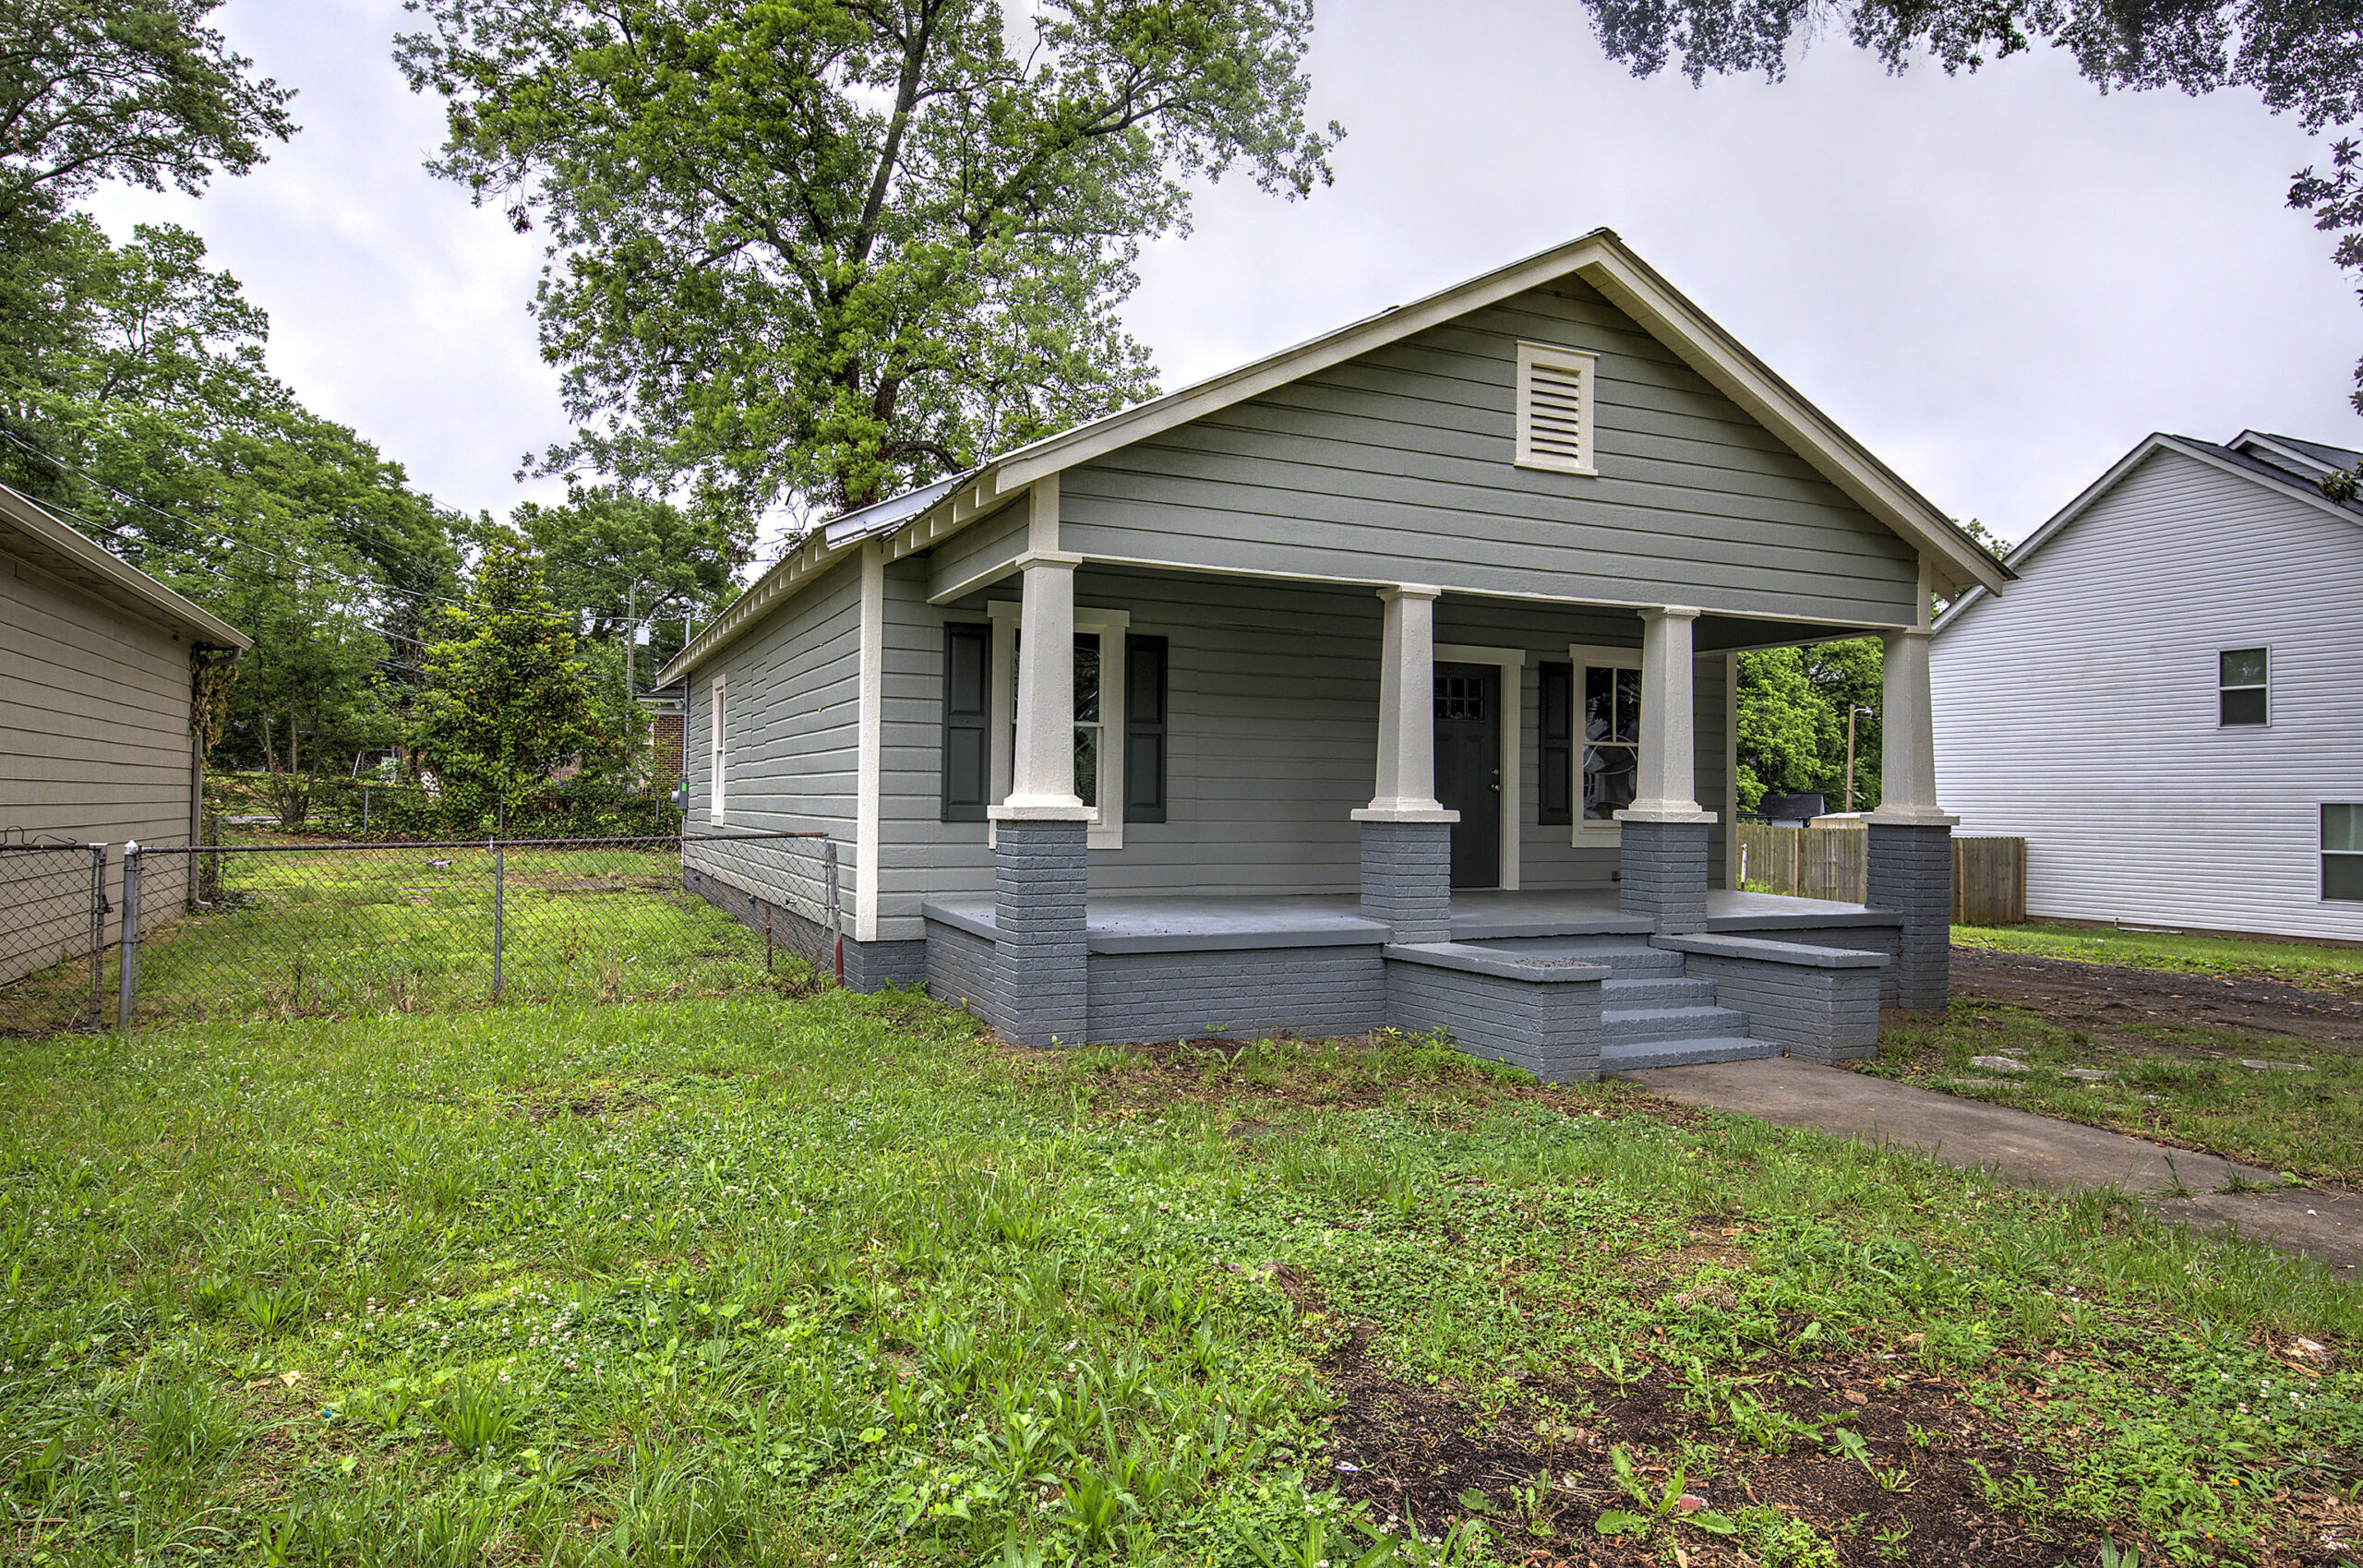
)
(1999, 1063)
(2278, 1066)
(2087, 1074)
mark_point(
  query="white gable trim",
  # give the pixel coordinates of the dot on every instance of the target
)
(2027, 549)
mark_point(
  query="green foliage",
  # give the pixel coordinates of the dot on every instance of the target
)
(823, 248)
(504, 701)
(614, 558)
(1793, 707)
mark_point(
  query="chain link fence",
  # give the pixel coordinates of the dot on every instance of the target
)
(54, 935)
(285, 930)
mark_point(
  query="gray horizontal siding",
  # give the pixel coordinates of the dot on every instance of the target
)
(1396, 467)
(986, 544)
(792, 732)
(1273, 712)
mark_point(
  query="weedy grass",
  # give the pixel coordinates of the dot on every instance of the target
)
(747, 1279)
(2311, 964)
(297, 932)
(2183, 1086)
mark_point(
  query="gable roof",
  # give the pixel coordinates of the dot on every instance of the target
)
(1600, 258)
(33, 530)
(2277, 462)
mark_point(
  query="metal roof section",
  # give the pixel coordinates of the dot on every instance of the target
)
(33, 530)
(1599, 258)
(2235, 457)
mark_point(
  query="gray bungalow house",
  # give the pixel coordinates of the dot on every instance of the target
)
(1384, 681)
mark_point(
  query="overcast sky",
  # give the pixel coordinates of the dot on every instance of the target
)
(1998, 283)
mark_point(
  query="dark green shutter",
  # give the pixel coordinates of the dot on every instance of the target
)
(1555, 804)
(1143, 729)
(967, 751)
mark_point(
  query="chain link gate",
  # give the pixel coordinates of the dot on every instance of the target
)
(53, 911)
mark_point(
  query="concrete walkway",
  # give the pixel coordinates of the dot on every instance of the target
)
(2026, 1149)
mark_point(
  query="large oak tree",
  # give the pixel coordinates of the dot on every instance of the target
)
(814, 250)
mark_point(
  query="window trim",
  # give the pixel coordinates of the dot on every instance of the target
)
(2265, 686)
(1586, 365)
(1511, 662)
(1106, 829)
(2323, 852)
(1585, 833)
(718, 786)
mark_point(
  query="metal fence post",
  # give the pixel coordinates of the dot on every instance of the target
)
(98, 934)
(126, 997)
(836, 934)
(499, 910)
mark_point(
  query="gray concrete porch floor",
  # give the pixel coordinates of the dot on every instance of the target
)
(2023, 1149)
(1181, 922)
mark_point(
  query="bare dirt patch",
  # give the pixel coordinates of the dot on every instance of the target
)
(2105, 999)
(1434, 1454)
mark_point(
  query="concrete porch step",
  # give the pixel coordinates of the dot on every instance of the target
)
(1620, 1025)
(1621, 994)
(1632, 1055)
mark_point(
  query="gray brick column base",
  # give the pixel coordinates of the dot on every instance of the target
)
(1661, 874)
(1406, 878)
(1909, 873)
(1039, 872)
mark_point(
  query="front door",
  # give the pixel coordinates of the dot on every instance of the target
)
(1469, 768)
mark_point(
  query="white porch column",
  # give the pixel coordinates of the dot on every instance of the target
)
(1666, 789)
(1908, 734)
(1406, 786)
(1042, 786)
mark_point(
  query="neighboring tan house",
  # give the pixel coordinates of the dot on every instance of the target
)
(1385, 680)
(97, 669)
(2169, 709)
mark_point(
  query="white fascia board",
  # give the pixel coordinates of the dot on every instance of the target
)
(2254, 438)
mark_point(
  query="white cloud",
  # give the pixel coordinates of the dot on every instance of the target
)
(1998, 283)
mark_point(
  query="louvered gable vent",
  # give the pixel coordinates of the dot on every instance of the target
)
(1554, 401)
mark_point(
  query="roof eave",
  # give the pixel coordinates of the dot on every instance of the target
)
(69, 548)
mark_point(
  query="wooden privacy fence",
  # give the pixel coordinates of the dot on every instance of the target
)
(1989, 874)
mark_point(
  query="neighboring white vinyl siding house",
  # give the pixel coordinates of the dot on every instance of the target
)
(2086, 710)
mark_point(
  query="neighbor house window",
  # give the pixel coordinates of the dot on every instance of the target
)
(967, 723)
(2343, 851)
(1554, 399)
(2240, 685)
(721, 707)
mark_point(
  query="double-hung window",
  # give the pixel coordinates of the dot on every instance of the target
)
(2343, 851)
(1603, 738)
(721, 706)
(2242, 686)
(1119, 717)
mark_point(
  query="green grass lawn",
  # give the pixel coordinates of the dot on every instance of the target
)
(2313, 965)
(2184, 1086)
(292, 933)
(837, 1281)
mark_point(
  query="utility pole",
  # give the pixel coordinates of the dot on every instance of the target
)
(631, 636)
(1851, 711)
